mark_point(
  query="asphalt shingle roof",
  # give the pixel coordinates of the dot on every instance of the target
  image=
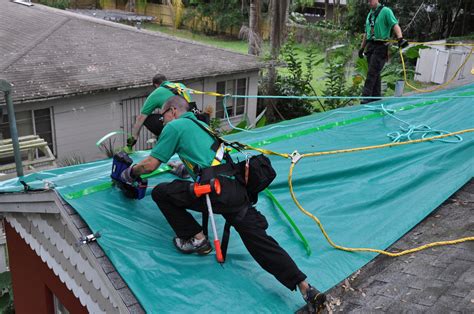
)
(46, 53)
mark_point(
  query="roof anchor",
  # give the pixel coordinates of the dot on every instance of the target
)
(295, 157)
(88, 238)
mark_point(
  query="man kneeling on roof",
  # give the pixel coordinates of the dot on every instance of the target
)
(183, 135)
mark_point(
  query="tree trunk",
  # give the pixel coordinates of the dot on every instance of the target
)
(326, 9)
(254, 37)
(279, 11)
(336, 11)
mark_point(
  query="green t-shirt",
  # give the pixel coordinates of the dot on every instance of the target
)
(159, 96)
(188, 140)
(383, 24)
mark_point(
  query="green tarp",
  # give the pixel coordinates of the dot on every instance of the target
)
(363, 199)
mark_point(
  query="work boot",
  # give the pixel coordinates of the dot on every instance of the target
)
(314, 299)
(192, 245)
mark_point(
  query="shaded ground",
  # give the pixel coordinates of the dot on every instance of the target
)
(436, 280)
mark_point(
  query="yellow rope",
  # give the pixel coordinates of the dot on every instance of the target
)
(358, 149)
(296, 157)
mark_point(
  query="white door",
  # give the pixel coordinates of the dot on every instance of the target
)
(440, 67)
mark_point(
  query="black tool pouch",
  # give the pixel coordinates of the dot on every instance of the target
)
(233, 196)
(260, 175)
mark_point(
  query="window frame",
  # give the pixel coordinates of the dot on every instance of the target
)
(234, 106)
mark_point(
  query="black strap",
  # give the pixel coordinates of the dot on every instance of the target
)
(205, 222)
(373, 16)
(225, 239)
(235, 145)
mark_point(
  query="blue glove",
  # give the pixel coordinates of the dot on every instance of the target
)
(127, 176)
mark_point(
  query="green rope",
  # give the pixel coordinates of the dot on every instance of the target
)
(292, 223)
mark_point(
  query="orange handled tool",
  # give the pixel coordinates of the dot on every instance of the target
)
(204, 189)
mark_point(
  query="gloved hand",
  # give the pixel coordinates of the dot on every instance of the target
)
(131, 141)
(127, 176)
(402, 43)
(179, 169)
(361, 53)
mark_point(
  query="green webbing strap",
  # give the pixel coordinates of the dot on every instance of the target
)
(345, 122)
(292, 223)
(107, 185)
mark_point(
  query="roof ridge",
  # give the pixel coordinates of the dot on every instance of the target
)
(35, 43)
(134, 29)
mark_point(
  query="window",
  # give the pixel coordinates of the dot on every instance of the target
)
(235, 106)
(30, 122)
(58, 307)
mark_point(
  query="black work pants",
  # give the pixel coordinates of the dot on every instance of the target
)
(377, 53)
(174, 199)
(154, 124)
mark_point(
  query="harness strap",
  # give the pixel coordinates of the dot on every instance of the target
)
(177, 90)
(372, 18)
(225, 239)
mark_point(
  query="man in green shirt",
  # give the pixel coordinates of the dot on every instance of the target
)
(153, 122)
(197, 149)
(379, 25)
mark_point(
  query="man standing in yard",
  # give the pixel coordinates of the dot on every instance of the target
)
(378, 29)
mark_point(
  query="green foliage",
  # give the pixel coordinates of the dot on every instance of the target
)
(58, 4)
(216, 15)
(215, 124)
(71, 160)
(325, 35)
(336, 81)
(6, 298)
(356, 15)
(262, 122)
(297, 81)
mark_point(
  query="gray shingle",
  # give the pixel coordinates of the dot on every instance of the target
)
(54, 53)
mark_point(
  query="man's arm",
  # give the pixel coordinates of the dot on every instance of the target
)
(364, 41)
(145, 166)
(398, 31)
(138, 125)
(402, 43)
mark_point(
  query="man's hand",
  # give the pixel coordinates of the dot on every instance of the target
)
(128, 176)
(361, 53)
(131, 141)
(179, 169)
(402, 43)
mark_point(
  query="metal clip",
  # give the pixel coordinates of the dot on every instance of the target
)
(88, 238)
(295, 157)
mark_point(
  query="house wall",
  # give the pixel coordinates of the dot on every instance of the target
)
(80, 121)
(33, 282)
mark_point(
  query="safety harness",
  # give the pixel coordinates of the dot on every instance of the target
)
(176, 89)
(372, 18)
(255, 174)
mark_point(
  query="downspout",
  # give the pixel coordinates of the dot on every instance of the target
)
(6, 88)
